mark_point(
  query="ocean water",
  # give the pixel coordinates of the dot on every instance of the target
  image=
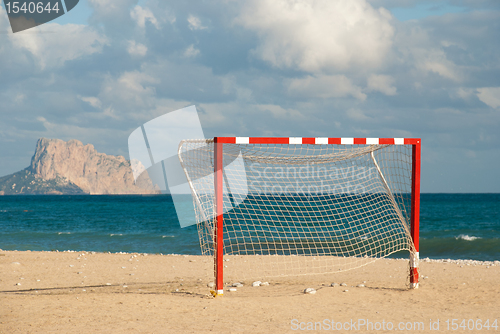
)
(145, 224)
(455, 226)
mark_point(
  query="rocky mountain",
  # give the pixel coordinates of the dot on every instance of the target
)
(60, 167)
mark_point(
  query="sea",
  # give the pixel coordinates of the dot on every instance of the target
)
(452, 226)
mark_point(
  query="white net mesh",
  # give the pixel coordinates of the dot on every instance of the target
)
(302, 209)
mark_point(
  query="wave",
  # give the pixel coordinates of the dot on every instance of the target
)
(467, 237)
(63, 232)
(168, 236)
(117, 234)
(463, 246)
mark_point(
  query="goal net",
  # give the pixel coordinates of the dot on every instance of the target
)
(298, 207)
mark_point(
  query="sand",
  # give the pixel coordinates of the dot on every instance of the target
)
(81, 292)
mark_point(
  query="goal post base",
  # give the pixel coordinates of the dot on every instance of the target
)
(414, 278)
(414, 264)
(217, 293)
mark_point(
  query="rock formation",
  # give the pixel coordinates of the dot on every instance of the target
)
(60, 167)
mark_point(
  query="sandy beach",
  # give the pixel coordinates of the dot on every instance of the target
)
(82, 292)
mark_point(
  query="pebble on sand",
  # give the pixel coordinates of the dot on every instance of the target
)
(334, 284)
(310, 291)
(256, 283)
(343, 284)
(232, 289)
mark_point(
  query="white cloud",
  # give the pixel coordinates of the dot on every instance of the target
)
(195, 23)
(420, 50)
(110, 112)
(448, 44)
(489, 96)
(443, 67)
(465, 93)
(93, 101)
(357, 115)
(20, 97)
(382, 83)
(132, 91)
(109, 7)
(325, 86)
(4, 20)
(230, 86)
(136, 49)
(322, 35)
(279, 112)
(141, 15)
(191, 51)
(62, 130)
(53, 44)
(103, 114)
(133, 81)
(449, 111)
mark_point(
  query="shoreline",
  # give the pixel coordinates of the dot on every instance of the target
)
(426, 259)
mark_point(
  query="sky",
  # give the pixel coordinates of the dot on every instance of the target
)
(302, 68)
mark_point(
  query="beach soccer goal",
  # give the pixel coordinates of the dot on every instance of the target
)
(300, 206)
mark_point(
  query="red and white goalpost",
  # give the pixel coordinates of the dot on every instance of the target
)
(311, 205)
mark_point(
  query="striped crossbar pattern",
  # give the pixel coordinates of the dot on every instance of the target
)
(317, 140)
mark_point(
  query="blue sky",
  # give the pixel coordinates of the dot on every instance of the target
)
(377, 68)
